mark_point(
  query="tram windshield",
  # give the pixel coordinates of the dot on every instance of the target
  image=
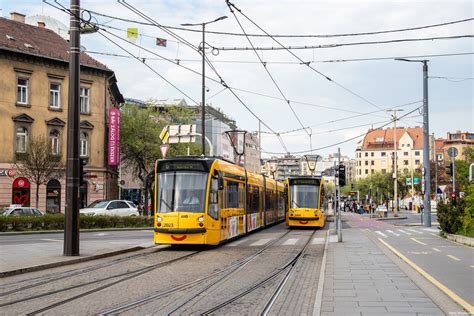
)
(304, 196)
(181, 191)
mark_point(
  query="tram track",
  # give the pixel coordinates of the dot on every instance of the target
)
(124, 276)
(287, 270)
(219, 278)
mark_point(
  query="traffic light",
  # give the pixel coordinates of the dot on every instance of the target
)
(342, 175)
(82, 163)
(449, 169)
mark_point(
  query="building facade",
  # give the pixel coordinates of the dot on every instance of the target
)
(34, 101)
(375, 152)
(460, 141)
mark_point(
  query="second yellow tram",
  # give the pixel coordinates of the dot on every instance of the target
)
(306, 202)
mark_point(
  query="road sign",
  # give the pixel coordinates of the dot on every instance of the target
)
(417, 181)
(164, 149)
(452, 152)
(164, 135)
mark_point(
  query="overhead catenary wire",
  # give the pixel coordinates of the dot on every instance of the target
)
(298, 58)
(288, 35)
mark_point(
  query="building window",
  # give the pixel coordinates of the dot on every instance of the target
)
(371, 154)
(372, 171)
(379, 139)
(417, 162)
(84, 145)
(84, 100)
(366, 171)
(367, 154)
(405, 170)
(22, 91)
(405, 162)
(417, 153)
(54, 142)
(21, 140)
(405, 153)
(366, 162)
(384, 171)
(54, 95)
(372, 163)
(383, 154)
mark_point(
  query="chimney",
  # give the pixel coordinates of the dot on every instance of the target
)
(15, 16)
(41, 25)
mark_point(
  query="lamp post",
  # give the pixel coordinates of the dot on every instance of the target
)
(203, 52)
(395, 163)
(426, 145)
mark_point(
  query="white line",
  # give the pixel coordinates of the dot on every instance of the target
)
(57, 240)
(290, 241)
(416, 240)
(391, 232)
(414, 231)
(260, 242)
(436, 249)
(453, 257)
(401, 230)
(333, 238)
(317, 241)
(381, 234)
(433, 230)
(319, 292)
(236, 243)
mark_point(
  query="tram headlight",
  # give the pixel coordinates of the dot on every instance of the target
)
(201, 221)
(159, 219)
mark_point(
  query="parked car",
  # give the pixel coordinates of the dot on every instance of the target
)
(111, 207)
(15, 210)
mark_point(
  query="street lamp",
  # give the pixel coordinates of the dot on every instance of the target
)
(311, 161)
(203, 52)
(395, 162)
(426, 146)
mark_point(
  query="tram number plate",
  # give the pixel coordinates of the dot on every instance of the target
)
(168, 225)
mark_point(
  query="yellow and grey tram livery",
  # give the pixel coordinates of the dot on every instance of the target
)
(306, 205)
(202, 200)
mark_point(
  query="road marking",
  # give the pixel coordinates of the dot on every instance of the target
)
(381, 234)
(46, 239)
(468, 307)
(416, 240)
(236, 243)
(472, 266)
(319, 292)
(414, 231)
(391, 232)
(100, 234)
(401, 230)
(436, 249)
(260, 242)
(318, 241)
(453, 257)
(290, 241)
(433, 230)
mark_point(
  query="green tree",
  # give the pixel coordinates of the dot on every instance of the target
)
(38, 164)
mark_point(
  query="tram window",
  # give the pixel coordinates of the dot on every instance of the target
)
(212, 209)
(232, 194)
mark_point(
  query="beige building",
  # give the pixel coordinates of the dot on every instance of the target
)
(375, 152)
(34, 101)
(460, 141)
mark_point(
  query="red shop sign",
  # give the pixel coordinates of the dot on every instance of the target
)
(21, 183)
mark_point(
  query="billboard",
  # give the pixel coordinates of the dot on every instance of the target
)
(114, 137)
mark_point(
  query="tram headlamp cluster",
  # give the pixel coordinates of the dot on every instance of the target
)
(201, 221)
(159, 219)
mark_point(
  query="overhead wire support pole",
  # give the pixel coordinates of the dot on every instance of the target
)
(71, 218)
(339, 220)
(395, 163)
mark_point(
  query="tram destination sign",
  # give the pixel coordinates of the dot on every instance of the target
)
(305, 181)
(181, 165)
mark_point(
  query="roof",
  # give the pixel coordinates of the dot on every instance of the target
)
(383, 138)
(37, 41)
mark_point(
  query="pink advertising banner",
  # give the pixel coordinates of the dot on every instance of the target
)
(114, 136)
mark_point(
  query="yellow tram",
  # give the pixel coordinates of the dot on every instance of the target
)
(202, 200)
(306, 202)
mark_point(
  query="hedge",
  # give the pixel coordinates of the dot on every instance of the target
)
(56, 222)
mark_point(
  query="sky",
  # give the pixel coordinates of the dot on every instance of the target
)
(333, 111)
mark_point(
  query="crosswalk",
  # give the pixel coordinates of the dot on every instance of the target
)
(389, 233)
(251, 242)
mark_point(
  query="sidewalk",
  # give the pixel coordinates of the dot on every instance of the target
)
(15, 259)
(361, 280)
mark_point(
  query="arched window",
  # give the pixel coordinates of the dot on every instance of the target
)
(84, 145)
(21, 139)
(54, 142)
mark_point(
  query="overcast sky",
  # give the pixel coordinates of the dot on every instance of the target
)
(356, 86)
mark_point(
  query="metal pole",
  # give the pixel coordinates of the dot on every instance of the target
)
(426, 150)
(454, 181)
(339, 226)
(71, 218)
(395, 163)
(259, 140)
(435, 159)
(203, 102)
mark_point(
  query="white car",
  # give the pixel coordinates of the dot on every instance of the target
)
(112, 208)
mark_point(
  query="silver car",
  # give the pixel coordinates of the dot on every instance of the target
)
(13, 210)
(111, 208)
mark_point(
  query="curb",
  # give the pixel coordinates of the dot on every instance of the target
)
(391, 218)
(32, 232)
(68, 262)
(468, 241)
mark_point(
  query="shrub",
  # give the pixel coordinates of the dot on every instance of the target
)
(450, 216)
(468, 215)
(56, 222)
